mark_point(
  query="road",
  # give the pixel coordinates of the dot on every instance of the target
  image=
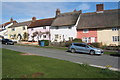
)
(63, 55)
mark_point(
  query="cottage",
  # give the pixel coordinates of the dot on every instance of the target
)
(39, 29)
(4, 28)
(18, 31)
(100, 26)
(63, 27)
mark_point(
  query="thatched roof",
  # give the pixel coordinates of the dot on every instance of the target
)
(109, 18)
(41, 23)
(26, 23)
(65, 19)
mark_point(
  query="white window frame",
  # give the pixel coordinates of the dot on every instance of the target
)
(86, 39)
(115, 38)
(85, 30)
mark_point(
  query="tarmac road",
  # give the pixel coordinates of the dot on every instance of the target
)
(102, 60)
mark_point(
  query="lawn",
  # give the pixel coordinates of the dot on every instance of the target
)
(16, 65)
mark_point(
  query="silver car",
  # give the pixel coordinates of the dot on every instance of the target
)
(84, 48)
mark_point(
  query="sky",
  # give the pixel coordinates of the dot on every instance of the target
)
(24, 11)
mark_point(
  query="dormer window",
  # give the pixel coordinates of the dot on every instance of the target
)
(85, 30)
(13, 29)
(69, 27)
(23, 28)
(115, 29)
(44, 27)
(57, 27)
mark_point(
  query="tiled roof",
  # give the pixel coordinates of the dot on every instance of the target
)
(7, 23)
(41, 22)
(65, 19)
(109, 18)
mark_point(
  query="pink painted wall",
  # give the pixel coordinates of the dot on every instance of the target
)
(91, 33)
(30, 32)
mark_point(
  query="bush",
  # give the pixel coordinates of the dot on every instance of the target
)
(46, 42)
(77, 40)
(68, 43)
(96, 44)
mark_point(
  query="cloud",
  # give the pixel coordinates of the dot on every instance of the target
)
(84, 6)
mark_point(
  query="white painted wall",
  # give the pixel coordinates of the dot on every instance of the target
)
(4, 32)
(64, 32)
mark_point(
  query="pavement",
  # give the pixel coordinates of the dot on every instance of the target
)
(93, 60)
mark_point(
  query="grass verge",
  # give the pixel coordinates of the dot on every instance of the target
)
(16, 65)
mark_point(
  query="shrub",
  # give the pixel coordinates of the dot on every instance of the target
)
(46, 42)
(68, 43)
(96, 44)
(77, 40)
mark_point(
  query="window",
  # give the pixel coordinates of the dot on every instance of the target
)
(81, 45)
(13, 29)
(44, 36)
(115, 29)
(70, 38)
(57, 27)
(86, 39)
(23, 28)
(85, 30)
(69, 27)
(56, 36)
(44, 27)
(115, 38)
(31, 29)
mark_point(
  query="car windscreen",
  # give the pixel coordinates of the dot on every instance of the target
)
(8, 40)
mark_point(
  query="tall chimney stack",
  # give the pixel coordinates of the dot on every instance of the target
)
(57, 12)
(99, 7)
(33, 19)
(11, 20)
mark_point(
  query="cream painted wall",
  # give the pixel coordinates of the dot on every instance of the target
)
(18, 30)
(105, 36)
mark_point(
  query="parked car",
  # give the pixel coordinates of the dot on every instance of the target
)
(7, 41)
(84, 48)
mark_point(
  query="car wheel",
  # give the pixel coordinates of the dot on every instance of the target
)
(72, 50)
(6, 43)
(92, 52)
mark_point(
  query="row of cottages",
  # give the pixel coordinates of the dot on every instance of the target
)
(100, 26)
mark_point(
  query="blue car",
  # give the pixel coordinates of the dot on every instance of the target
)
(84, 48)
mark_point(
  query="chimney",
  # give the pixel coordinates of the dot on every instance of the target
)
(74, 10)
(57, 12)
(11, 20)
(80, 11)
(99, 8)
(33, 19)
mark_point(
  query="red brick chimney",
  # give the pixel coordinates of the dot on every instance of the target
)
(33, 19)
(99, 7)
(11, 20)
(57, 12)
